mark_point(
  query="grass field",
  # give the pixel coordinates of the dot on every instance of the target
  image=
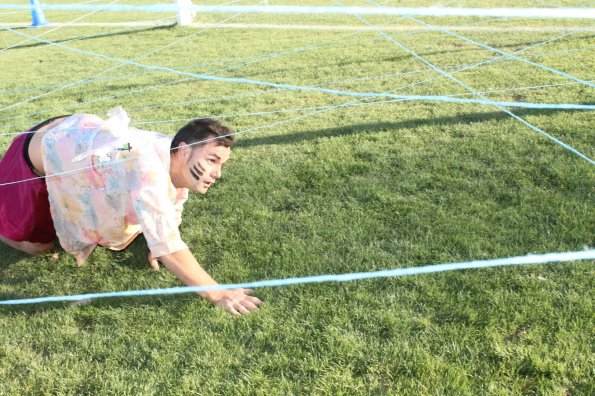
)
(318, 191)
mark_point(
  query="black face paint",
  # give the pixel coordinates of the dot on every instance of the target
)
(197, 171)
(194, 175)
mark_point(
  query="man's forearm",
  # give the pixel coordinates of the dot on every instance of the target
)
(185, 267)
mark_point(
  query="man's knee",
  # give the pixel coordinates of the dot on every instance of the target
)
(34, 249)
(37, 249)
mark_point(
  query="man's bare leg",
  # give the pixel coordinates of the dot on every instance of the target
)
(32, 248)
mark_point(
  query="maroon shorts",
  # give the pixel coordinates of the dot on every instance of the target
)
(24, 207)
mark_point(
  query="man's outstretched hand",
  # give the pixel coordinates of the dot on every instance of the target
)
(185, 267)
(236, 302)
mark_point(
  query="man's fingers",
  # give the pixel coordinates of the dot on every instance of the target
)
(254, 300)
(249, 305)
(250, 301)
(247, 294)
(228, 306)
(242, 309)
(240, 304)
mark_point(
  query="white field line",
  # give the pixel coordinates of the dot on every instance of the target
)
(317, 27)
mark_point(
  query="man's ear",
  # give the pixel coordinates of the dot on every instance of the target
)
(184, 150)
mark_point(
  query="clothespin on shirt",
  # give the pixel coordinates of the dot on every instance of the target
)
(126, 147)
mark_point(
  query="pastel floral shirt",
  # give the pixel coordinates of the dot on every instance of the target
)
(108, 182)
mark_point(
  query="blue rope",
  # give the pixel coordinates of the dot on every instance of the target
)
(313, 89)
(279, 90)
(442, 72)
(275, 54)
(468, 88)
(569, 13)
(428, 269)
(502, 58)
(315, 46)
(124, 29)
(130, 92)
(258, 113)
(55, 28)
(505, 54)
(520, 260)
(271, 55)
(104, 71)
(129, 75)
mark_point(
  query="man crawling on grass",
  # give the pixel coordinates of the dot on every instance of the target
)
(107, 183)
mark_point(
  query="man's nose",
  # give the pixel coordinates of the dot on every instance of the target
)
(216, 174)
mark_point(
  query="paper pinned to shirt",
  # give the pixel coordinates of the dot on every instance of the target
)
(111, 136)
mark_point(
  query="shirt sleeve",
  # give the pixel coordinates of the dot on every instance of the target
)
(181, 198)
(149, 184)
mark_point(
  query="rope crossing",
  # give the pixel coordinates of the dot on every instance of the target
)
(361, 98)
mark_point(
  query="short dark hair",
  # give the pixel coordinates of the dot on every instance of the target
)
(201, 129)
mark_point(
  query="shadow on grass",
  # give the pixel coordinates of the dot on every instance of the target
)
(384, 126)
(95, 36)
(133, 257)
(9, 257)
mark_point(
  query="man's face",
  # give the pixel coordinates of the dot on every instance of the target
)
(203, 166)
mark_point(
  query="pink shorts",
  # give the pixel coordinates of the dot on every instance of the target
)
(24, 207)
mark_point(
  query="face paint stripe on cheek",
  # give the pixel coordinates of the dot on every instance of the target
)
(199, 169)
(194, 175)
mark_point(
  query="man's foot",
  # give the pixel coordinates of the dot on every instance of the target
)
(153, 262)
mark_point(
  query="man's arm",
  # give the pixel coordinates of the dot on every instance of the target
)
(185, 267)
